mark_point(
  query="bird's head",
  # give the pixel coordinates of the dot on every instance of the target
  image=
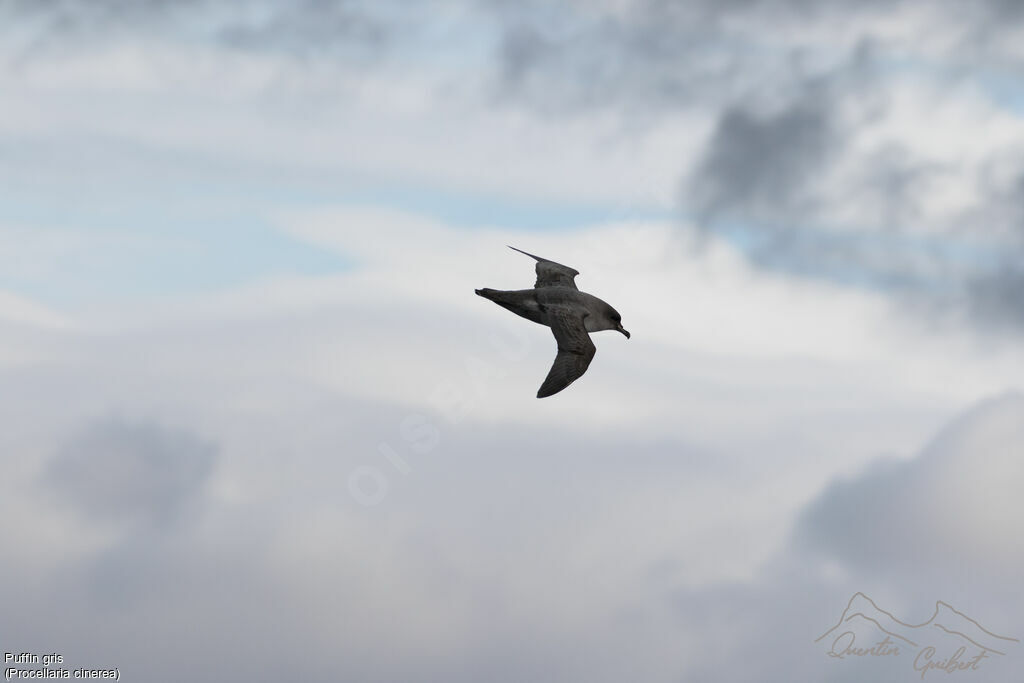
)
(614, 321)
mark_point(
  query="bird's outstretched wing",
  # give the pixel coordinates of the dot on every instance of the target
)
(551, 274)
(575, 350)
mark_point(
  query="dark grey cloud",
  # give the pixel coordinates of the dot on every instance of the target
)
(764, 183)
(761, 164)
(595, 53)
(663, 54)
(133, 473)
(759, 180)
(653, 57)
(997, 297)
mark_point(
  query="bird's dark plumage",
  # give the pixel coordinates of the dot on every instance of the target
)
(555, 301)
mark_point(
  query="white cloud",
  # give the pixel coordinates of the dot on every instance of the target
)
(639, 525)
(956, 500)
(204, 106)
(18, 309)
(514, 529)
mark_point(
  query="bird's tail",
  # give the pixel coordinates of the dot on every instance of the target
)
(504, 298)
(486, 293)
(522, 302)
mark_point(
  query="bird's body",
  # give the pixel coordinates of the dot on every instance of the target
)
(536, 304)
(571, 314)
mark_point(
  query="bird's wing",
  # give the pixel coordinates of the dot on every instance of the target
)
(551, 274)
(575, 349)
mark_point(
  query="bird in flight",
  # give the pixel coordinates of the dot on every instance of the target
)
(571, 314)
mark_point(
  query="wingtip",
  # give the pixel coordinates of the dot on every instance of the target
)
(546, 391)
(537, 258)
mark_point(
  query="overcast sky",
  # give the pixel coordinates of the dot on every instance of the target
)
(258, 427)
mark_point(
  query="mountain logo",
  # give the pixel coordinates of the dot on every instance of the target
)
(949, 641)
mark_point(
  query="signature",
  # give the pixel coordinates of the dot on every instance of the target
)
(882, 635)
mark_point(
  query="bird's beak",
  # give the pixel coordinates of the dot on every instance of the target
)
(621, 329)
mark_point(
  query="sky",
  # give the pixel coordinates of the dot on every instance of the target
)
(258, 427)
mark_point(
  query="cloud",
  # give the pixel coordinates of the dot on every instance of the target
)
(131, 474)
(590, 539)
(678, 94)
(995, 297)
(837, 185)
(638, 529)
(908, 533)
(814, 163)
(291, 23)
(950, 509)
(312, 28)
(761, 165)
(18, 309)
